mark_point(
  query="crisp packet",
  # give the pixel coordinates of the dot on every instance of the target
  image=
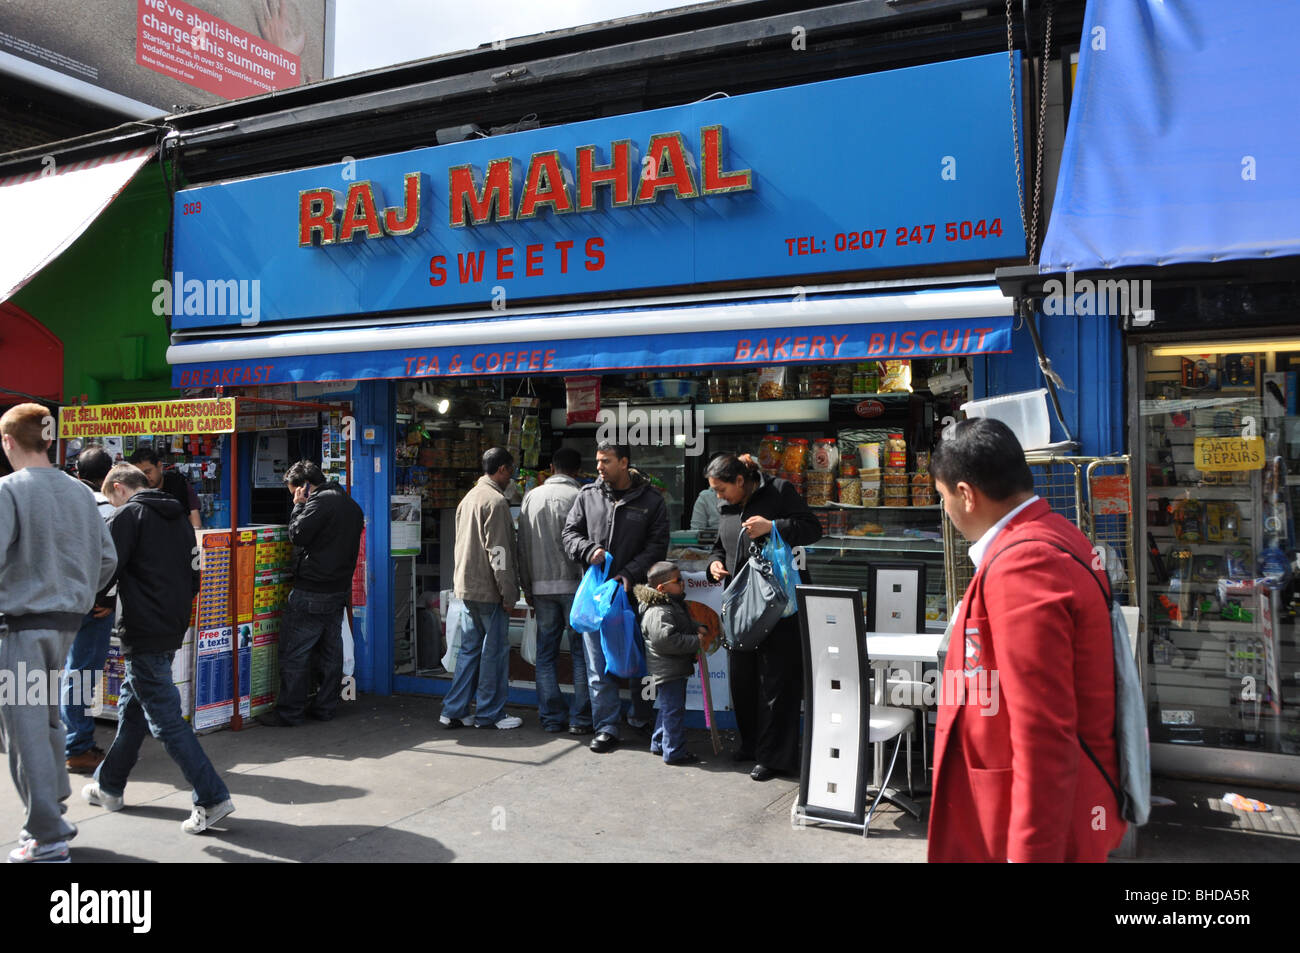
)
(1242, 803)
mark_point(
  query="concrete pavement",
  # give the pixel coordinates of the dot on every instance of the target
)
(384, 782)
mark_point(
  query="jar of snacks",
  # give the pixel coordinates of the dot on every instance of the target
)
(922, 496)
(849, 466)
(896, 452)
(871, 377)
(736, 389)
(822, 379)
(770, 451)
(923, 461)
(842, 382)
(795, 457)
(825, 455)
(818, 494)
(850, 491)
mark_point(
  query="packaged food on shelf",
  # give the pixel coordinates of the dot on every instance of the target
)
(848, 468)
(582, 400)
(869, 456)
(771, 383)
(896, 452)
(925, 497)
(795, 457)
(793, 477)
(850, 491)
(821, 382)
(870, 493)
(897, 492)
(736, 392)
(895, 478)
(770, 451)
(922, 479)
(896, 377)
(842, 382)
(825, 454)
(869, 476)
(818, 495)
(923, 461)
(895, 501)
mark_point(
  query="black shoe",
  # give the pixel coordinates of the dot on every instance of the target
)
(603, 742)
(581, 729)
(688, 758)
(741, 756)
(762, 773)
(320, 715)
(273, 719)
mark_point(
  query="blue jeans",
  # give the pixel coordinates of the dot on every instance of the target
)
(552, 622)
(605, 703)
(483, 659)
(311, 639)
(670, 724)
(89, 652)
(149, 703)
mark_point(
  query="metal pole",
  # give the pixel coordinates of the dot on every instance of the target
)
(236, 720)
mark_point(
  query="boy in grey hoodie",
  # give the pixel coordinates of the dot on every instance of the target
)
(672, 640)
(49, 574)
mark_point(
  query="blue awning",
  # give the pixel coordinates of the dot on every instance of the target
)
(930, 323)
(1183, 144)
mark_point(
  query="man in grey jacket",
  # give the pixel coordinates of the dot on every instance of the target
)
(549, 579)
(485, 582)
(55, 554)
(622, 515)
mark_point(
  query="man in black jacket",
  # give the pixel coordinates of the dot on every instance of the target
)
(157, 577)
(623, 515)
(325, 528)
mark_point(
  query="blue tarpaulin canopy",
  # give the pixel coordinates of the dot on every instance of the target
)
(1183, 143)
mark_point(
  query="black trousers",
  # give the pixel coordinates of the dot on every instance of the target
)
(766, 690)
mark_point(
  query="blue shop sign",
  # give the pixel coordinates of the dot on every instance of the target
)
(905, 168)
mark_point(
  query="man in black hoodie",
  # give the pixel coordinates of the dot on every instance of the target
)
(157, 577)
(325, 529)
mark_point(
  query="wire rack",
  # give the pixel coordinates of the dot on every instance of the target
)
(1094, 493)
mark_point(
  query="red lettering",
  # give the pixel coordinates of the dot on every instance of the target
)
(438, 270)
(535, 360)
(533, 261)
(837, 343)
(421, 363)
(945, 345)
(742, 350)
(800, 347)
(908, 341)
(595, 254)
(316, 217)
(617, 174)
(507, 359)
(715, 180)
(494, 362)
(475, 363)
(410, 210)
(877, 344)
(817, 347)
(779, 348)
(981, 332)
(761, 351)
(409, 362)
(465, 193)
(546, 361)
(666, 149)
(471, 266)
(564, 256)
(928, 348)
(505, 263)
(359, 213)
(545, 184)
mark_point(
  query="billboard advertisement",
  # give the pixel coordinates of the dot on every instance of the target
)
(151, 56)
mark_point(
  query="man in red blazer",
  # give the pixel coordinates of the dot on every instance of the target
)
(1029, 670)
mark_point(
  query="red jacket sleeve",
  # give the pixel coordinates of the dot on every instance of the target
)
(1028, 596)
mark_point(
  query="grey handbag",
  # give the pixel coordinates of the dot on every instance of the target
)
(752, 604)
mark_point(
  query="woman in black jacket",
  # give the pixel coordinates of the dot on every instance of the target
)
(766, 685)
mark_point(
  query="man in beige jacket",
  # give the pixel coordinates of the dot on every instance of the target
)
(486, 584)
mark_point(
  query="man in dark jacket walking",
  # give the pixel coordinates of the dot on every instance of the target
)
(325, 528)
(157, 577)
(623, 515)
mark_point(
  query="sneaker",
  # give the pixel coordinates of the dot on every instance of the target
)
(505, 723)
(95, 795)
(32, 852)
(204, 817)
(449, 723)
(85, 762)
